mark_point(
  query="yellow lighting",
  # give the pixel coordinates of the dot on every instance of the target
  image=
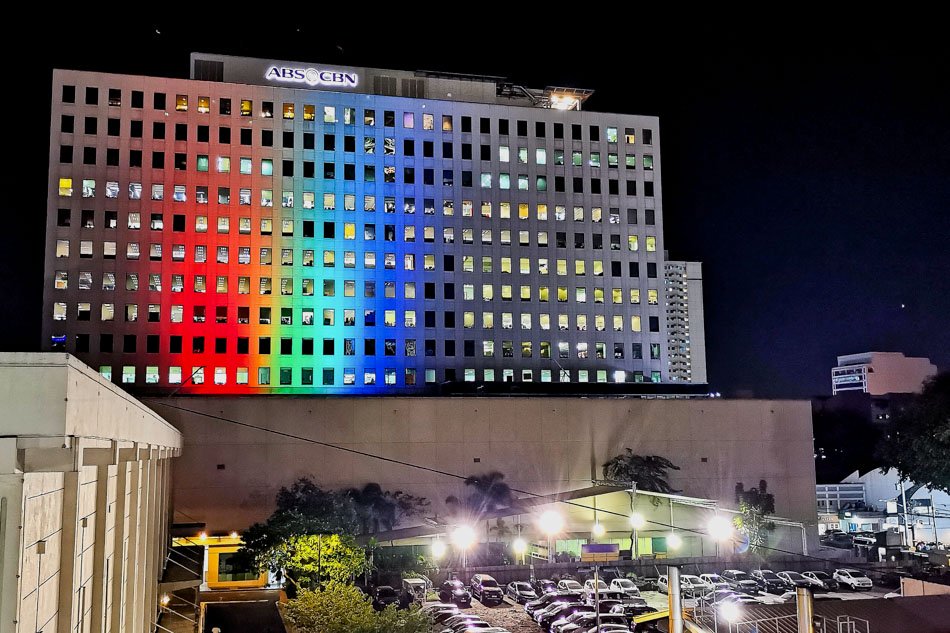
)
(563, 102)
(519, 546)
(637, 522)
(598, 530)
(203, 536)
(165, 600)
(438, 549)
(234, 534)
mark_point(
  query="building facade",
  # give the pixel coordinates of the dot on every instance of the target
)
(85, 482)
(880, 373)
(685, 321)
(271, 227)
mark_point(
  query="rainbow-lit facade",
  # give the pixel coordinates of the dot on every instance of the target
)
(272, 236)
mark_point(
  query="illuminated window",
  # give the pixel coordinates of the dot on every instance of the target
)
(485, 180)
(577, 158)
(267, 167)
(611, 135)
(309, 112)
(651, 243)
(181, 103)
(329, 114)
(652, 297)
(288, 110)
(488, 292)
(582, 350)
(524, 265)
(128, 374)
(635, 325)
(633, 243)
(408, 120)
(446, 122)
(595, 159)
(648, 162)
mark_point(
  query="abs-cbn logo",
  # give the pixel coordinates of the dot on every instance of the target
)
(312, 76)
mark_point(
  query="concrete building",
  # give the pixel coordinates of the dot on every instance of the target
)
(880, 373)
(230, 473)
(271, 227)
(685, 321)
(85, 477)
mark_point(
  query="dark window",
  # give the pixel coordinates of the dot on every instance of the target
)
(181, 131)
(151, 343)
(90, 125)
(181, 161)
(329, 230)
(448, 291)
(448, 263)
(560, 239)
(288, 168)
(595, 185)
(69, 94)
(615, 269)
(369, 347)
(408, 147)
(306, 346)
(539, 129)
(267, 138)
(128, 343)
(430, 347)
(558, 130)
(484, 125)
(449, 347)
(595, 133)
(651, 270)
(158, 130)
(174, 345)
(429, 290)
(613, 187)
(466, 124)
(448, 318)
(112, 127)
(649, 216)
(469, 347)
(428, 149)
(446, 149)
(105, 343)
(197, 344)
(349, 143)
(135, 157)
(329, 142)
(389, 118)
(286, 346)
(578, 185)
(309, 140)
(466, 178)
(89, 156)
(648, 188)
(647, 137)
(328, 347)
(63, 217)
(243, 347)
(634, 269)
(82, 342)
(576, 131)
(485, 152)
(65, 153)
(138, 99)
(308, 228)
(522, 128)
(158, 101)
(67, 123)
(224, 107)
(503, 127)
(631, 187)
(204, 133)
(309, 169)
(246, 136)
(158, 160)
(263, 345)
(654, 324)
(349, 172)
(429, 317)
(466, 151)
(135, 129)
(288, 139)
(92, 96)
(559, 184)
(178, 223)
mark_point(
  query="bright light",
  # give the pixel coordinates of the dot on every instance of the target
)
(563, 102)
(598, 529)
(203, 536)
(165, 600)
(719, 528)
(438, 549)
(519, 546)
(234, 534)
(673, 541)
(551, 522)
(637, 522)
(730, 611)
(463, 536)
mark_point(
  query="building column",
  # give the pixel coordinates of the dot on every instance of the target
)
(150, 551)
(99, 549)
(67, 544)
(118, 545)
(133, 588)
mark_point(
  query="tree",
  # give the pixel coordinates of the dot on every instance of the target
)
(314, 559)
(755, 505)
(918, 440)
(345, 609)
(648, 472)
(379, 509)
(489, 493)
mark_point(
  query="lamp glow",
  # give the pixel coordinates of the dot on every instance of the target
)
(719, 528)
(463, 536)
(519, 546)
(598, 530)
(673, 541)
(234, 534)
(551, 522)
(438, 549)
(203, 536)
(730, 611)
(637, 522)
(165, 600)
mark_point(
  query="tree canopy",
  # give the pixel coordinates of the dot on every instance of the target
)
(345, 609)
(755, 505)
(918, 441)
(649, 472)
(489, 492)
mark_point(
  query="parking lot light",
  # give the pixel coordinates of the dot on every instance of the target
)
(673, 541)
(551, 522)
(438, 549)
(598, 530)
(730, 611)
(637, 522)
(719, 528)
(519, 546)
(463, 537)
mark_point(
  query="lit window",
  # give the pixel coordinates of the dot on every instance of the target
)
(503, 153)
(446, 124)
(224, 164)
(648, 162)
(329, 114)
(541, 156)
(652, 297)
(267, 167)
(204, 105)
(309, 112)
(633, 243)
(611, 135)
(181, 103)
(288, 110)
(128, 374)
(486, 181)
(408, 120)
(651, 243)
(635, 325)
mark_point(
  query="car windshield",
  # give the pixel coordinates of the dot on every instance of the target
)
(740, 575)
(600, 583)
(854, 573)
(488, 582)
(455, 584)
(571, 583)
(793, 575)
(714, 578)
(522, 586)
(768, 575)
(820, 575)
(696, 580)
(625, 583)
(385, 592)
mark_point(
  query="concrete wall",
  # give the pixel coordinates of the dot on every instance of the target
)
(83, 515)
(230, 474)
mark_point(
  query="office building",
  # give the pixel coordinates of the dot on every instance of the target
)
(271, 227)
(880, 373)
(85, 483)
(685, 327)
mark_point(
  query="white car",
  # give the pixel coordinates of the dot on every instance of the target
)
(589, 588)
(854, 579)
(715, 580)
(625, 585)
(570, 585)
(689, 585)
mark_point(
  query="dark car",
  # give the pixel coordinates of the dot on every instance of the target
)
(793, 579)
(740, 581)
(638, 606)
(586, 621)
(769, 582)
(546, 618)
(544, 586)
(454, 591)
(821, 580)
(486, 589)
(383, 596)
(520, 592)
(533, 606)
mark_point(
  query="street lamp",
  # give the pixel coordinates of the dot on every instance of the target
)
(719, 528)
(438, 549)
(598, 530)
(519, 547)
(551, 523)
(637, 522)
(463, 537)
(673, 541)
(730, 611)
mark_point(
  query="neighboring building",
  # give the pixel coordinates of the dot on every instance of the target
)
(880, 373)
(831, 499)
(685, 328)
(85, 479)
(229, 476)
(267, 227)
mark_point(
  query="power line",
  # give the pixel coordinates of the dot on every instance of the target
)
(463, 477)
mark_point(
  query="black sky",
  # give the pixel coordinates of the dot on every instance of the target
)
(808, 171)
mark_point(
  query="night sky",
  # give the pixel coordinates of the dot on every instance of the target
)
(810, 173)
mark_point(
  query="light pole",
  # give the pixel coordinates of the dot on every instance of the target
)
(551, 523)
(519, 547)
(463, 538)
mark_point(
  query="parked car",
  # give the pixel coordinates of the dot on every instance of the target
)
(570, 585)
(383, 596)
(689, 585)
(625, 585)
(632, 609)
(715, 580)
(768, 581)
(543, 586)
(413, 590)
(854, 579)
(462, 618)
(546, 617)
(793, 579)
(570, 618)
(584, 621)
(520, 592)
(589, 587)
(607, 595)
(740, 581)
(545, 601)
(486, 589)
(453, 591)
(718, 595)
(443, 614)
(864, 538)
(821, 579)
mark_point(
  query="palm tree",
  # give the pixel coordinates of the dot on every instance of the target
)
(648, 472)
(490, 492)
(374, 507)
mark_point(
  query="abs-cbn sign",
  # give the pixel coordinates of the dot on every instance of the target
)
(312, 76)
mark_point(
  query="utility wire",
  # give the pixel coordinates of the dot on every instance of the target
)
(452, 475)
